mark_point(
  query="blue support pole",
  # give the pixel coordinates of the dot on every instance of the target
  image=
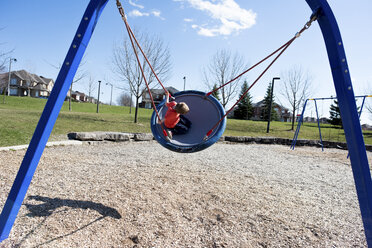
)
(49, 116)
(317, 117)
(361, 108)
(298, 126)
(348, 109)
(360, 113)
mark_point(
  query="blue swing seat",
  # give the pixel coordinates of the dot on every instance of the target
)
(205, 112)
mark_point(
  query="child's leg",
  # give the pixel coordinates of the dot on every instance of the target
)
(184, 121)
(180, 129)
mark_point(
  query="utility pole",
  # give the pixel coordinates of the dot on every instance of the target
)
(184, 83)
(10, 72)
(112, 87)
(99, 89)
(271, 103)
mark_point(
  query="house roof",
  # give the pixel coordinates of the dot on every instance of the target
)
(171, 89)
(39, 87)
(261, 104)
(25, 75)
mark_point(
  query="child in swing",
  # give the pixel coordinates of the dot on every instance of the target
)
(174, 119)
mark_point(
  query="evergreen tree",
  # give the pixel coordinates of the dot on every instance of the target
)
(266, 106)
(244, 110)
(335, 114)
(216, 93)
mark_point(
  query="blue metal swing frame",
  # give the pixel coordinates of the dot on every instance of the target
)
(301, 119)
(342, 82)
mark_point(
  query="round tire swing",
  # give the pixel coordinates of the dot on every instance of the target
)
(205, 111)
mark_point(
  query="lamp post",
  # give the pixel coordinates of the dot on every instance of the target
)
(112, 87)
(271, 103)
(184, 83)
(10, 72)
(99, 89)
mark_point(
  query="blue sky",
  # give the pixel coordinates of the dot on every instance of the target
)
(41, 31)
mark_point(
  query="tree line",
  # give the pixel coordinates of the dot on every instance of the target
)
(295, 86)
(223, 66)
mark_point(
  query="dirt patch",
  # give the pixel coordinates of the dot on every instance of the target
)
(138, 194)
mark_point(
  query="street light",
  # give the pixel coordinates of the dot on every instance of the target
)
(10, 72)
(99, 89)
(10, 66)
(271, 103)
(184, 83)
(112, 86)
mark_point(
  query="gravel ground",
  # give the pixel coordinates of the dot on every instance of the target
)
(138, 194)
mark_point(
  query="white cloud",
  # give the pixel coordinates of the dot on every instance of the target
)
(188, 20)
(135, 5)
(232, 18)
(157, 13)
(137, 13)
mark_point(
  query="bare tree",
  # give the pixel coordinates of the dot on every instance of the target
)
(92, 86)
(125, 99)
(295, 88)
(126, 67)
(4, 58)
(4, 61)
(222, 68)
(79, 76)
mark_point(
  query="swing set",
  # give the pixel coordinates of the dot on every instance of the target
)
(301, 119)
(206, 113)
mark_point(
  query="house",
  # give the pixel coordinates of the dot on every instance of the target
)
(322, 120)
(23, 83)
(79, 96)
(157, 94)
(366, 127)
(283, 113)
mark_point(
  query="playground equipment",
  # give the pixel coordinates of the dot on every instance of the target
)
(300, 120)
(342, 82)
(205, 111)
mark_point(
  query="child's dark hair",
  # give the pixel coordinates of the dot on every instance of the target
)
(182, 108)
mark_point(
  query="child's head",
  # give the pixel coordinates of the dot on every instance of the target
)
(182, 108)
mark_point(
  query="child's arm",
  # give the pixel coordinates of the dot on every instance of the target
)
(167, 98)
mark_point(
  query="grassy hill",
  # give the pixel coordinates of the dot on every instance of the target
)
(20, 115)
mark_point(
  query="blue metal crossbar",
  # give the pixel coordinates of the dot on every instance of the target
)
(342, 82)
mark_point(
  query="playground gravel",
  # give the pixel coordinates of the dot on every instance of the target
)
(138, 194)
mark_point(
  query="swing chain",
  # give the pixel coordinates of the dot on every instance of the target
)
(313, 18)
(121, 10)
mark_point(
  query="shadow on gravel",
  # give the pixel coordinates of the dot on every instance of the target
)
(50, 205)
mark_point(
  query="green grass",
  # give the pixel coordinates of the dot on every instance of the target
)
(20, 115)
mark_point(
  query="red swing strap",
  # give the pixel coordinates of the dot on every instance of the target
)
(281, 49)
(132, 37)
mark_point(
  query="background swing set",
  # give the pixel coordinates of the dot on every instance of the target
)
(301, 118)
(342, 83)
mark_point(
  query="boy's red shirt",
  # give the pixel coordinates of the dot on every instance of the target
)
(171, 118)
